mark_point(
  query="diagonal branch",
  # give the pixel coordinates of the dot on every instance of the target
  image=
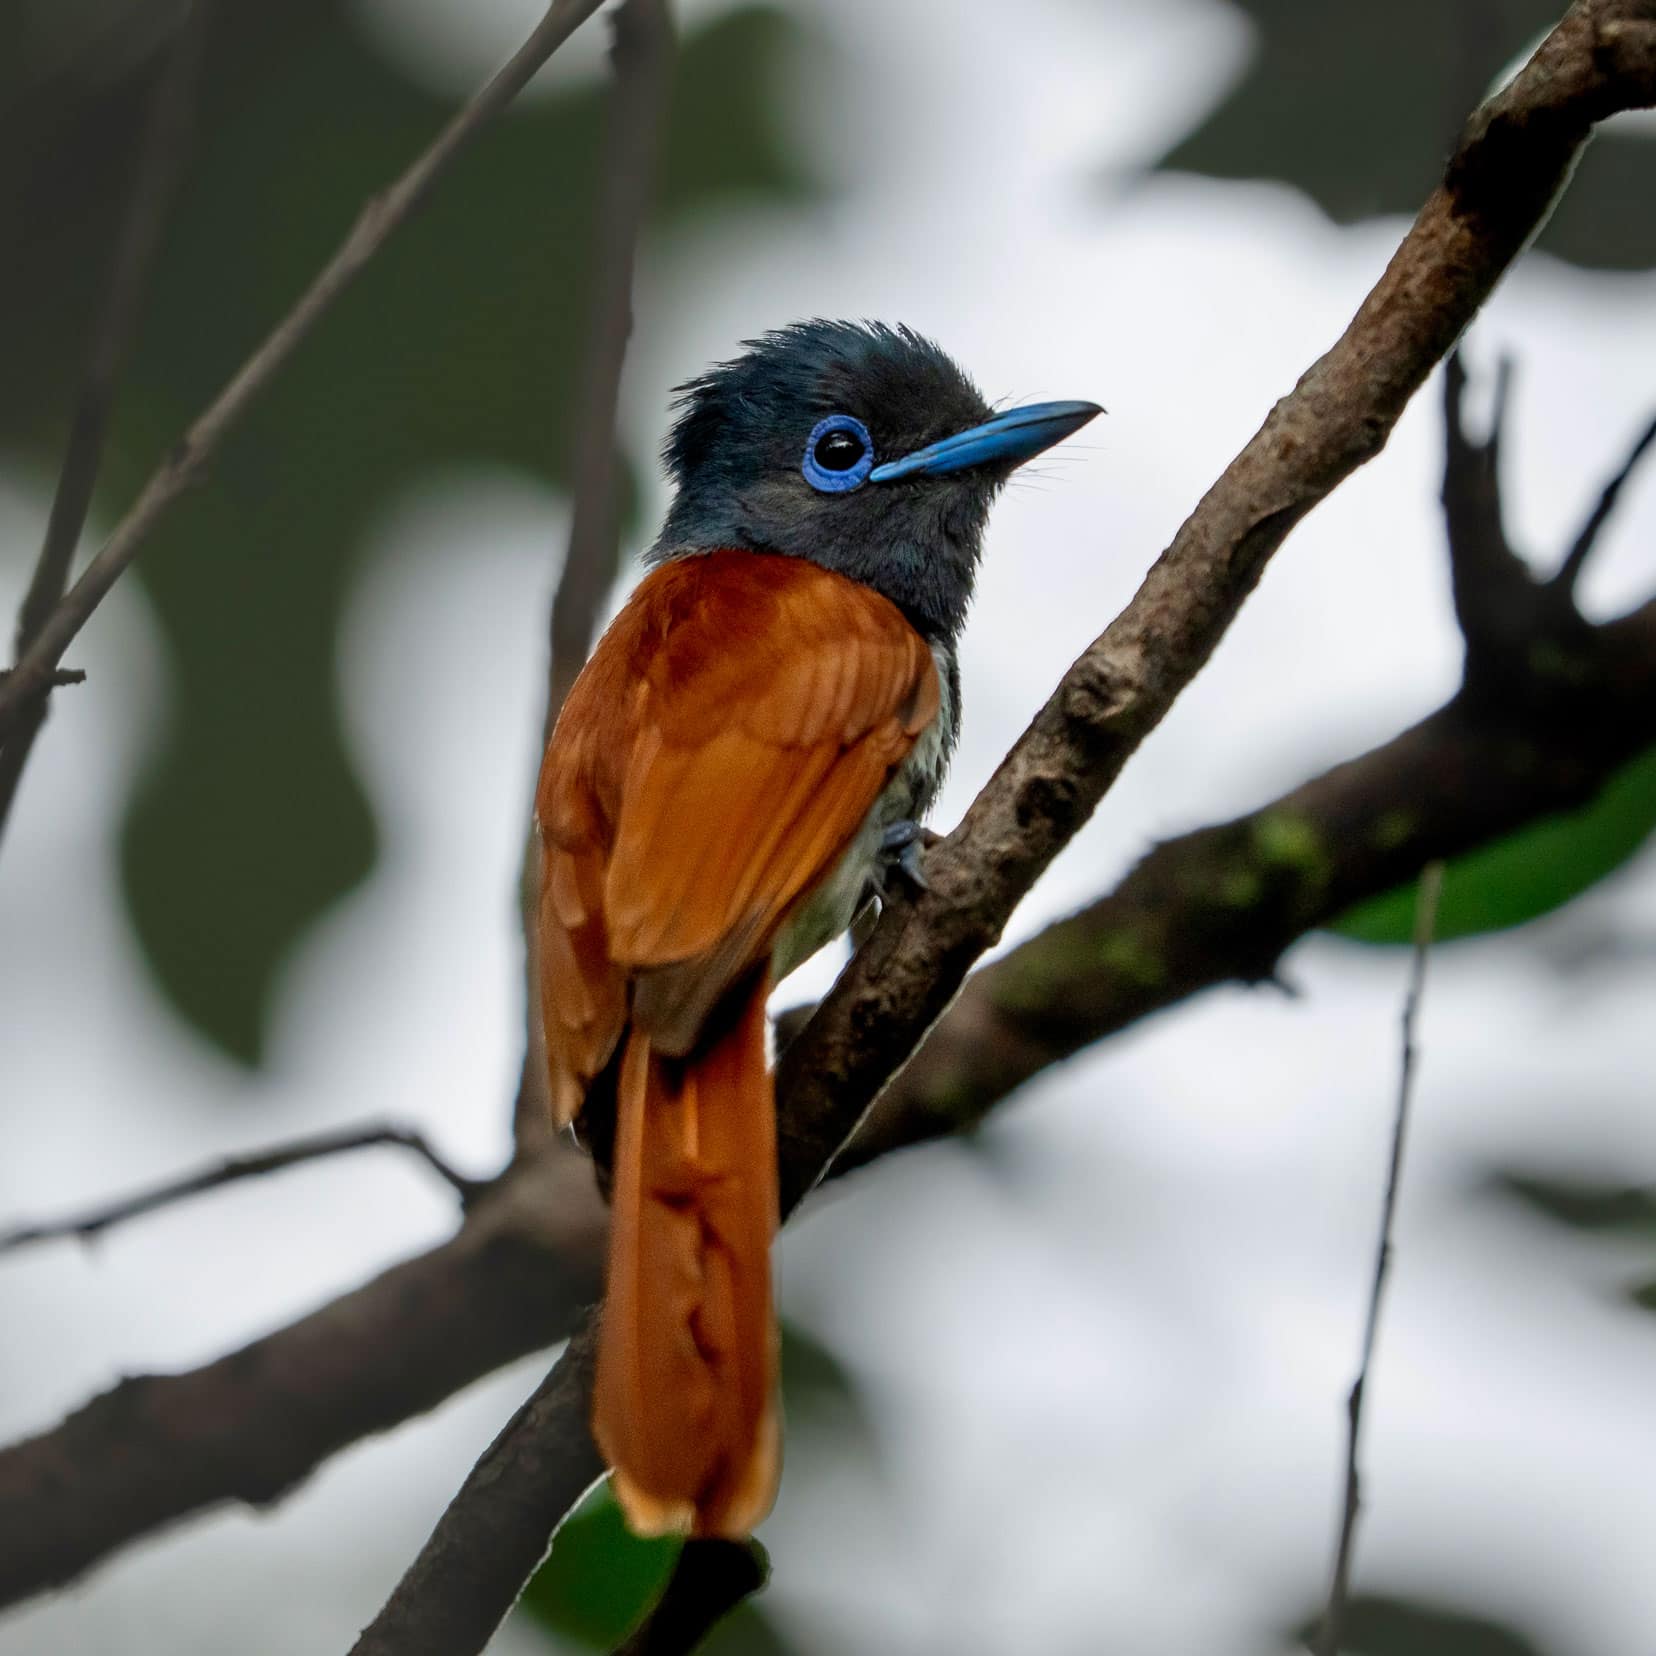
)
(190, 457)
(91, 1224)
(641, 56)
(526, 1483)
(1515, 156)
(1513, 159)
(162, 151)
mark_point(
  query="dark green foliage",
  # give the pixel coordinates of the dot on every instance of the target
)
(1378, 1626)
(1620, 1211)
(1359, 106)
(599, 1578)
(1530, 873)
(459, 345)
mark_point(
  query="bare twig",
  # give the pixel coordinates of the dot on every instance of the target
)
(191, 455)
(161, 154)
(1576, 559)
(641, 55)
(1426, 907)
(709, 1580)
(92, 1224)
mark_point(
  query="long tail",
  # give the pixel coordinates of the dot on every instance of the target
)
(685, 1399)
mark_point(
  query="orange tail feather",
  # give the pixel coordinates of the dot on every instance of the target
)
(685, 1399)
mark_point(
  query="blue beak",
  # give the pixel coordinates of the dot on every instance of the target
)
(1007, 440)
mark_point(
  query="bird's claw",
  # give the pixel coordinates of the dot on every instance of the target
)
(901, 845)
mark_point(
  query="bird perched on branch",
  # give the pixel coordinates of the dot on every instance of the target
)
(743, 760)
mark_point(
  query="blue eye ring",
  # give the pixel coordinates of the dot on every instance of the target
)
(830, 478)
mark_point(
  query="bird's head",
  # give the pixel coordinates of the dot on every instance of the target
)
(862, 447)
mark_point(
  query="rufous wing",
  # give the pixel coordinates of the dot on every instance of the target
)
(715, 758)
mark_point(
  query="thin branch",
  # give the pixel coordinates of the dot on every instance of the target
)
(161, 155)
(1426, 907)
(1575, 561)
(193, 453)
(527, 1260)
(256, 1422)
(94, 1222)
(709, 1580)
(641, 57)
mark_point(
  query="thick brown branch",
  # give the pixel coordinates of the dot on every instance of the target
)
(193, 453)
(528, 1481)
(1224, 903)
(95, 1221)
(160, 162)
(1514, 158)
(256, 1422)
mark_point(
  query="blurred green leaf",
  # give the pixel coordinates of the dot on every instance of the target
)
(1623, 1211)
(459, 345)
(1603, 1208)
(821, 1400)
(1529, 873)
(1359, 106)
(599, 1581)
(1380, 1626)
(747, 1631)
(599, 1578)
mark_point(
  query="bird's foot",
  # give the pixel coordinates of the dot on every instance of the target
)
(901, 845)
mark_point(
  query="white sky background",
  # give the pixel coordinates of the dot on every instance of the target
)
(1109, 1361)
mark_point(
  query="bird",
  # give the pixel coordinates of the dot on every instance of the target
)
(739, 769)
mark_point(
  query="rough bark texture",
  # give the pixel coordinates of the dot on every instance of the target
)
(1219, 904)
(1514, 157)
(1222, 904)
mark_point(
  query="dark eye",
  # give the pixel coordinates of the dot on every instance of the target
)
(839, 450)
(838, 454)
